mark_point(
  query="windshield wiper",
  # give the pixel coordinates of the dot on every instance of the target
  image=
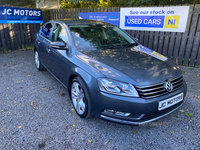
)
(131, 44)
(111, 47)
(119, 46)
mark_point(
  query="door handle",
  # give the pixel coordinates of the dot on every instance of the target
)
(48, 50)
(38, 43)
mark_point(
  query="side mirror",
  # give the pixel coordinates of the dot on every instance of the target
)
(59, 45)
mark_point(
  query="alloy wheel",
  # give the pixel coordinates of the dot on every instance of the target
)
(78, 98)
(37, 62)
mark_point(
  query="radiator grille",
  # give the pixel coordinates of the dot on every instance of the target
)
(159, 89)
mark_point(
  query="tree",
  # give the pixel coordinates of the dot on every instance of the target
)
(122, 3)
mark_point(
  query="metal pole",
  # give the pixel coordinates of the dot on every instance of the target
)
(59, 4)
(43, 3)
(37, 4)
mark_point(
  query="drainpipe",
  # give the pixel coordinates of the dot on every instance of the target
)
(37, 3)
(43, 4)
(59, 4)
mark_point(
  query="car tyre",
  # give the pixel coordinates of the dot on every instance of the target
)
(38, 64)
(80, 98)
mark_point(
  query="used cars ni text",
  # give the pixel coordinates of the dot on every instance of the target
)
(107, 73)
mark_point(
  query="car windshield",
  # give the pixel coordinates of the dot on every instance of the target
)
(94, 37)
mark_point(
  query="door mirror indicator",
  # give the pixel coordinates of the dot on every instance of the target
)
(59, 45)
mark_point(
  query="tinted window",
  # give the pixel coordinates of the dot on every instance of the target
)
(59, 34)
(46, 29)
(93, 37)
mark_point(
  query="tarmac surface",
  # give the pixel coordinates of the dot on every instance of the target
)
(36, 113)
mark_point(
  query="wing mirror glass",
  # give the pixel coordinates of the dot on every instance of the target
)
(59, 45)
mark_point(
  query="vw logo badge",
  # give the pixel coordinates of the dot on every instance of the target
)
(168, 86)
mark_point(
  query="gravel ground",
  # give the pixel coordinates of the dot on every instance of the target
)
(36, 113)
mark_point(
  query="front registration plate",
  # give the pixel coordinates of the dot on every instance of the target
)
(170, 102)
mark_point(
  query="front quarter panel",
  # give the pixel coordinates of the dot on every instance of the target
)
(85, 71)
(89, 80)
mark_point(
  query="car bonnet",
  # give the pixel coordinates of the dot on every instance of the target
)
(143, 65)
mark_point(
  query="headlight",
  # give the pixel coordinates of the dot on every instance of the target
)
(116, 87)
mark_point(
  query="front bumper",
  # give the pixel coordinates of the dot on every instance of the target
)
(137, 123)
(141, 110)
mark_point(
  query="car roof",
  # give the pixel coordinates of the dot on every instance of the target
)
(82, 21)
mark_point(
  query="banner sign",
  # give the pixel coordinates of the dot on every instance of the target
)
(110, 17)
(20, 15)
(171, 19)
(149, 52)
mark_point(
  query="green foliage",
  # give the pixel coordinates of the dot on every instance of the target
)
(101, 3)
(122, 3)
(85, 4)
(189, 115)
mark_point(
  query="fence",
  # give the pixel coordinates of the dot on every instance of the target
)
(17, 36)
(184, 48)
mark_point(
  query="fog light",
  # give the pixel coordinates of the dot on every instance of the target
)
(109, 111)
(118, 113)
(122, 113)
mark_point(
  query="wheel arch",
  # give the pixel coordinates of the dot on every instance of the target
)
(86, 78)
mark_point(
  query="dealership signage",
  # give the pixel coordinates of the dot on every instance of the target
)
(110, 17)
(172, 19)
(20, 15)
